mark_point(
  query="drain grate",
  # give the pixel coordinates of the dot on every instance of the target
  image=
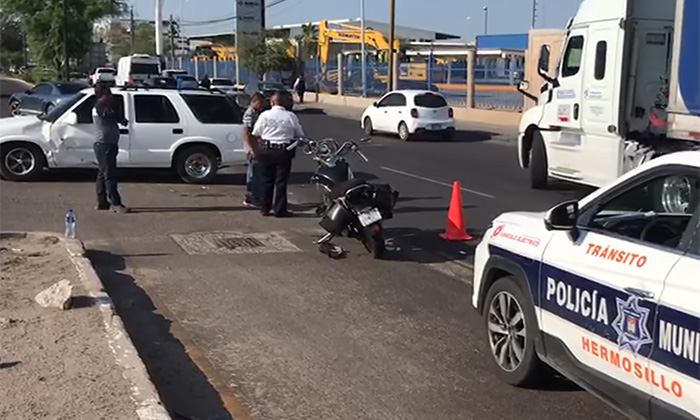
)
(201, 243)
(233, 243)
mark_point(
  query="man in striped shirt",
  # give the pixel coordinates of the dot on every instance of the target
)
(257, 105)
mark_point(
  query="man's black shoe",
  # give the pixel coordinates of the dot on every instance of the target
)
(285, 214)
(104, 206)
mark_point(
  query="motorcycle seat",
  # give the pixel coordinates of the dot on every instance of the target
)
(339, 190)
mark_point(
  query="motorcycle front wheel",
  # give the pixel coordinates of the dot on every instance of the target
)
(373, 240)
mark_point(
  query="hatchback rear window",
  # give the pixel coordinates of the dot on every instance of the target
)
(143, 68)
(214, 109)
(430, 100)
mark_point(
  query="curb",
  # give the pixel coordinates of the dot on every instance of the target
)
(143, 392)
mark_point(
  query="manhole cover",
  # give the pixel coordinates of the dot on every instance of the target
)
(201, 243)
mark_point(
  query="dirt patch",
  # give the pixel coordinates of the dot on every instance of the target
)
(53, 364)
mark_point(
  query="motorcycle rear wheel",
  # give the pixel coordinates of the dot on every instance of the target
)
(374, 242)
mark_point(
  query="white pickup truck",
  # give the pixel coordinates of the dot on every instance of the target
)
(193, 132)
(627, 90)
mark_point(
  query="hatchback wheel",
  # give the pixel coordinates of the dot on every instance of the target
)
(404, 134)
(369, 129)
(511, 327)
(15, 108)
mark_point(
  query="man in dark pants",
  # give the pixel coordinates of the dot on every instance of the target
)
(107, 116)
(276, 128)
(257, 104)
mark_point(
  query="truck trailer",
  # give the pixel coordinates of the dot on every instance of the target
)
(626, 90)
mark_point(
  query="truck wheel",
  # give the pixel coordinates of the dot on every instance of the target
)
(539, 166)
(511, 328)
(196, 165)
(369, 130)
(21, 161)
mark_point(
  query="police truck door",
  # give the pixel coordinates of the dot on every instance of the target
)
(599, 291)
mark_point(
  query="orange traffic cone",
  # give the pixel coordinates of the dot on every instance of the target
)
(456, 230)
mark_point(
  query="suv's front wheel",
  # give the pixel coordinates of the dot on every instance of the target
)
(196, 164)
(511, 326)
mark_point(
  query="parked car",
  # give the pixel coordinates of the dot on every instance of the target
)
(173, 72)
(193, 132)
(186, 81)
(225, 85)
(409, 113)
(603, 290)
(103, 74)
(42, 98)
(136, 69)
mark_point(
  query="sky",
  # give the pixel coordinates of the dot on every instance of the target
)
(459, 17)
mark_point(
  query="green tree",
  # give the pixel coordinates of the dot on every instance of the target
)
(308, 41)
(119, 39)
(261, 56)
(11, 43)
(43, 22)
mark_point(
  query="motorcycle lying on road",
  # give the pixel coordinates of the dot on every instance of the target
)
(352, 205)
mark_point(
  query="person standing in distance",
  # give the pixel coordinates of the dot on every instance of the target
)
(300, 87)
(250, 117)
(107, 116)
(276, 128)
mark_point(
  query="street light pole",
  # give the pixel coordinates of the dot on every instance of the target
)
(66, 63)
(486, 20)
(362, 49)
(392, 24)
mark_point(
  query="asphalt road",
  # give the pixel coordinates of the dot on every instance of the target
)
(292, 334)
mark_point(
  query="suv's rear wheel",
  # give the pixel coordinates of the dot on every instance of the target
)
(511, 327)
(197, 164)
(21, 161)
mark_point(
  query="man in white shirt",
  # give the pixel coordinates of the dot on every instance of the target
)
(276, 129)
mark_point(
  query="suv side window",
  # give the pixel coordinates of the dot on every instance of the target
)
(573, 56)
(214, 109)
(155, 109)
(84, 110)
(657, 211)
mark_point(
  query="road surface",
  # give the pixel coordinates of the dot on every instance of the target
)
(279, 331)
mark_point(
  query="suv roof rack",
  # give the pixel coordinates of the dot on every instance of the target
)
(138, 87)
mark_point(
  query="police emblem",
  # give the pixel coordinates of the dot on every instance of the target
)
(631, 324)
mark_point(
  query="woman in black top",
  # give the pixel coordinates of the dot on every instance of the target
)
(107, 116)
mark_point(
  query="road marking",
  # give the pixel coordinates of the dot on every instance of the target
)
(432, 181)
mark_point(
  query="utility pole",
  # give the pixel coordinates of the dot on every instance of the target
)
(172, 42)
(363, 52)
(132, 28)
(534, 13)
(66, 62)
(392, 24)
(486, 20)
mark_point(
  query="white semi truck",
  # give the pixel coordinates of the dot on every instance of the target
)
(626, 90)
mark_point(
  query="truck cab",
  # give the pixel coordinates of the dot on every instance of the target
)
(604, 109)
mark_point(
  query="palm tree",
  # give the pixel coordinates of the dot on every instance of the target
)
(308, 40)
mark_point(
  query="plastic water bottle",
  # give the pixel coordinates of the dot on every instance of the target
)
(70, 224)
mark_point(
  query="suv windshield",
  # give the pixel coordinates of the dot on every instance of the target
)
(272, 86)
(62, 107)
(143, 68)
(429, 100)
(222, 82)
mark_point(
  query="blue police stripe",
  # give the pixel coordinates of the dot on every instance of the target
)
(689, 60)
(537, 274)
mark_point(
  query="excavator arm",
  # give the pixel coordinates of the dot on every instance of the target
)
(350, 34)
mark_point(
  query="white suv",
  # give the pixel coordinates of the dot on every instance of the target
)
(193, 132)
(605, 290)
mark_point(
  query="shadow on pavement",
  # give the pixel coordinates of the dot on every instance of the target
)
(426, 246)
(137, 176)
(419, 209)
(189, 209)
(184, 389)
(310, 111)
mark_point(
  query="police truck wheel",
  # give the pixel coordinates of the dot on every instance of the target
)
(511, 327)
(539, 167)
(369, 130)
(197, 165)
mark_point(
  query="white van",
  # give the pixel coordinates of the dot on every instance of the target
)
(137, 68)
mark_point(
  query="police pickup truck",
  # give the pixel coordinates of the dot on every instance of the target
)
(605, 290)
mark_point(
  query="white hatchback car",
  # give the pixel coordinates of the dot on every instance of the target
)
(605, 290)
(194, 132)
(408, 113)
